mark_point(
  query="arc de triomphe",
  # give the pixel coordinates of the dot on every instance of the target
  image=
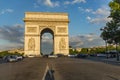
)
(37, 23)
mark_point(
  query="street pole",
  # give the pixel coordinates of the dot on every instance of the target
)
(106, 49)
(117, 53)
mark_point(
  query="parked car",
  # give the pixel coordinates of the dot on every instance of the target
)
(60, 55)
(10, 58)
(82, 55)
(72, 56)
(19, 57)
(52, 56)
(101, 55)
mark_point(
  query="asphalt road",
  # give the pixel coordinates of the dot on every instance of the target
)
(64, 69)
(111, 61)
(27, 69)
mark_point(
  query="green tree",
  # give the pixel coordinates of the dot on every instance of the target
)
(111, 32)
(84, 50)
(71, 51)
(112, 29)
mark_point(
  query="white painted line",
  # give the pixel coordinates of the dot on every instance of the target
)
(46, 70)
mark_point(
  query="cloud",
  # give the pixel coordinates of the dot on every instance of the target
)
(51, 4)
(47, 37)
(83, 40)
(48, 3)
(86, 40)
(77, 41)
(74, 2)
(100, 16)
(88, 18)
(88, 10)
(47, 47)
(10, 46)
(6, 11)
(13, 35)
(85, 10)
(78, 1)
(98, 20)
(102, 11)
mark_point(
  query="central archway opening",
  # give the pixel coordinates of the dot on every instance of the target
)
(47, 42)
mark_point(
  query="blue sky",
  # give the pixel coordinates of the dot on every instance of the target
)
(86, 19)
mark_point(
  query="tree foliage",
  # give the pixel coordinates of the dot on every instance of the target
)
(111, 31)
(84, 50)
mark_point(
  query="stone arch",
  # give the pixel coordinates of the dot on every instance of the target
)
(45, 30)
(36, 23)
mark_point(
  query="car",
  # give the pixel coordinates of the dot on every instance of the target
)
(71, 56)
(52, 56)
(82, 55)
(10, 58)
(101, 55)
(19, 57)
(60, 55)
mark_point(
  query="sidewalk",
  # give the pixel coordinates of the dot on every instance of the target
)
(112, 60)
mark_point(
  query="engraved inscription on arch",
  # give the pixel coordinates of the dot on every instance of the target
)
(31, 29)
(62, 43)
(61, 30)
(31, 44)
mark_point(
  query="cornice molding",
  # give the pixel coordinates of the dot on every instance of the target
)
(44, 20)
(47, 13)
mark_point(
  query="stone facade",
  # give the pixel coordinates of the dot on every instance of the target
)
(37, 23)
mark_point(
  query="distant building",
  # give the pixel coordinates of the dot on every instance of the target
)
(20, 50)
(78, 49)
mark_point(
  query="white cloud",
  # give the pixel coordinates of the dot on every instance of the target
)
(86, 40)
(48, 3)
(74, 2)
(82, 40)
(88, 10)
(78, 1)
(6, 11)
(98, 19)
(88, 18)
(81, 9)
(100, 15)
(102, 11)
(51, 4)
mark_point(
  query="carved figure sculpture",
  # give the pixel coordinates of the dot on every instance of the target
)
(62, 43)
(31, 44)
